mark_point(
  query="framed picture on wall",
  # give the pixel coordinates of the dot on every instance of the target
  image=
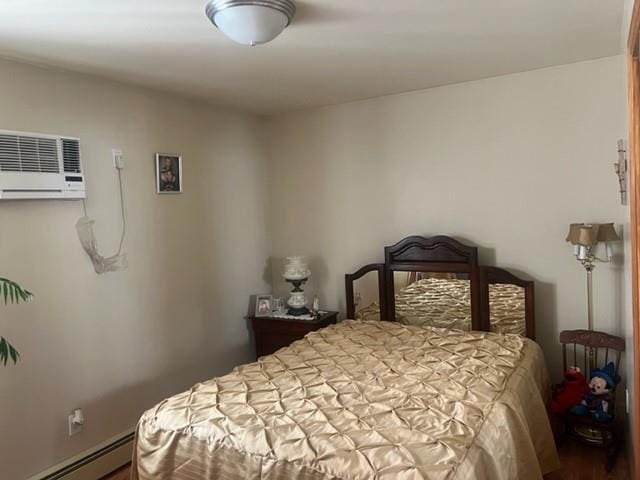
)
(168, 173)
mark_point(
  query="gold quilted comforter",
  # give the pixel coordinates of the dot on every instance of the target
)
(361, 400)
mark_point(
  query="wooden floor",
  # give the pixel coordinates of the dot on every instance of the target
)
(579, 462)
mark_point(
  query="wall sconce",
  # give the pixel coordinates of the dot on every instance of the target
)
(621, 170)
(585, 238)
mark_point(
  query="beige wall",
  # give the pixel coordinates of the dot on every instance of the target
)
(505, 163)
(116, 344)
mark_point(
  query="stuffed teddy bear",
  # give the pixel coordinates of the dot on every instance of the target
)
(569, 392)
(598, 400)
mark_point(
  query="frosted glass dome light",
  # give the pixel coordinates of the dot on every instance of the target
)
(251, 22)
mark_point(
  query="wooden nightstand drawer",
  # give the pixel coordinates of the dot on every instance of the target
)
(270, 342)
(272, 334)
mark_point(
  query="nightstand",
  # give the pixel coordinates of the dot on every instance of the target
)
(272, 334)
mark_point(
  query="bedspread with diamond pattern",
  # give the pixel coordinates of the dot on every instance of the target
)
(361, 400)
(446, 303)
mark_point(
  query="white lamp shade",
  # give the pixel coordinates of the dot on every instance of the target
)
(582, 252)
(250, 24)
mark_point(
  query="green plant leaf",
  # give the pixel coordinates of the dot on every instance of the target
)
(13, 353)
(4, 351)
(13, 293)
(7, 351)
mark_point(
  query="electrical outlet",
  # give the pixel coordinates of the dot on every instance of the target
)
(118, 159)
(76, 422)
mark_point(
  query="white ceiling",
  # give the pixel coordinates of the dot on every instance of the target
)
(335, 50)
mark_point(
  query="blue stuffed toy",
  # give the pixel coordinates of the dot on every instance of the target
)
(598, 402)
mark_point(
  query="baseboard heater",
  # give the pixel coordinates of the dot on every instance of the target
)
(95, 463)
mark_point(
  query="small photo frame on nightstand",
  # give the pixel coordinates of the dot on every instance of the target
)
(264, 304)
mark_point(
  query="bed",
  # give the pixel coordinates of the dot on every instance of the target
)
(371, 399)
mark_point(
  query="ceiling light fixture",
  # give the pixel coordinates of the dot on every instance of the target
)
(251, 22)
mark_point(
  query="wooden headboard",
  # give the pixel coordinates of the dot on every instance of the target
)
(442, 254)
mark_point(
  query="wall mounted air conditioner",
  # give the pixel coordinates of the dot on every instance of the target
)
(38, 166)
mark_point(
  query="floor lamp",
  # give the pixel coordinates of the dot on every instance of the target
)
(585, 238)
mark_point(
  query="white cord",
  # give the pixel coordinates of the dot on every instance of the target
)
(124, 220)
(84, 227)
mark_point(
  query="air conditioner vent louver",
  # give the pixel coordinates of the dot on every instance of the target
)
(40, 166)
(28, 154)
(9, 153)
(71, 155)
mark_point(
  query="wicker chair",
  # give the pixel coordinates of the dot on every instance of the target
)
(588, 350)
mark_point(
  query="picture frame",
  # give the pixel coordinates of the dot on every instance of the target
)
(264, 306)
(168, 173)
